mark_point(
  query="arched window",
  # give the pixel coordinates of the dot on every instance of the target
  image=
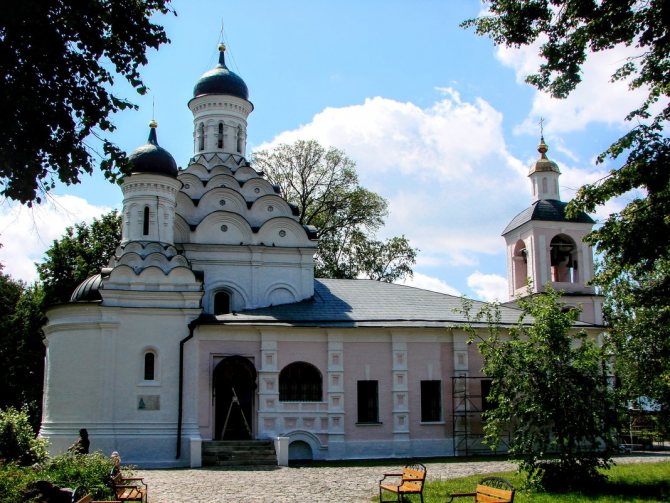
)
(145, 226)
(201, 137)
(149, 366)
(563, 256)
(300, 382)
(219, 142)
(520, 265)
(544, 185)
(239, 139)
(221, 303)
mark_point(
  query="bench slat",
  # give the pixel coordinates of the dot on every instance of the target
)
(501, 494)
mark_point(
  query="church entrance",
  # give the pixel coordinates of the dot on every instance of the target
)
(234, 383)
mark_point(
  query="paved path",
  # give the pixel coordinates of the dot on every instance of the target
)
(304, 484)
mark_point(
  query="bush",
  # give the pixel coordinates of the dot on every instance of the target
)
(17, 439)
(88, 472)
(13, 481)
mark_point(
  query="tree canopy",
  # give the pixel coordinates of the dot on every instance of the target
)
(323, 184)
(58, 62)
(550, 389)
(633, 244)
(80, 253)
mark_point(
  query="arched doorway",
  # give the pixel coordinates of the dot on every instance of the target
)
(234, 373)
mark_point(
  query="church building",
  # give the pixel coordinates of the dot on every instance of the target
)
(208, 325)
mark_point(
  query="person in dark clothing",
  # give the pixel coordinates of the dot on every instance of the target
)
(82, 444)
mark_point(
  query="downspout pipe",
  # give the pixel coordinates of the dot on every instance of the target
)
(180, 414)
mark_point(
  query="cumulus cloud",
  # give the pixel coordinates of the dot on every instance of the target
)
(489, 287)
(430, 283)
(596, 98)
(445, 170)
(26, 233)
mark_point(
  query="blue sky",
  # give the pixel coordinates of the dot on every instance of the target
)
(438, 120)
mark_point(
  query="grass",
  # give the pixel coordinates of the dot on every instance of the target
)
(642, 482)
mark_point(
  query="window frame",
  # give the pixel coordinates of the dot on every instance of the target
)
(293, 386)
(214, 302)
(431, 401)
(149, 350)
(367, 401)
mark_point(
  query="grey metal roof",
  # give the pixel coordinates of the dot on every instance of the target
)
(360, 302)
(88, 290)
(548, 210)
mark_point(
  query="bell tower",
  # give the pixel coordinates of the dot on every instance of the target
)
(546, 248)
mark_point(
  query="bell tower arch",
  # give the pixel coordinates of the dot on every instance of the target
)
(546, 248)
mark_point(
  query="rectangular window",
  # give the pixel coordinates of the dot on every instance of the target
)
(431, 401)
(368, 402)
(486, 389)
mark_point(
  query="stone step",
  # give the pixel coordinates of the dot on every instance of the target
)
(238, 453)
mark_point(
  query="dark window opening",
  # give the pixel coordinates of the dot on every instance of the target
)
(239, 139)
(431, 401)
(149, 366)
(221, 303)
(220, 138)
(486, 391)
(300, 382)
(368, 402)
(145, 229)
(201, 139)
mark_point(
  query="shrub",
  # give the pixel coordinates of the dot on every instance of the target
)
(90, 473)
(13, 481)
(17, 439)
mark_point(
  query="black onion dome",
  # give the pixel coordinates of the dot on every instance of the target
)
(151, 158)
(88, 290)
(220, 80)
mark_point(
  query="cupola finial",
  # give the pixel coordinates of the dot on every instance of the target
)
(542, 148)
(222, 54)
(153, 139)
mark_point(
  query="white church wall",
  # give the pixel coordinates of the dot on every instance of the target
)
(96, 381)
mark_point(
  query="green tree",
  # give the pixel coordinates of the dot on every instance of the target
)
(23, 354)
(550, 389)
(323, 184)
(58, 62)
(17, 439)
(634, 244)
(80, 253)
(21, 347)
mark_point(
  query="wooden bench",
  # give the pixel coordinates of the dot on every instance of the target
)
(129, 488)
(490, 490)
(411, 481)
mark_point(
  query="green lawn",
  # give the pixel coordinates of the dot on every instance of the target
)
(643, 482)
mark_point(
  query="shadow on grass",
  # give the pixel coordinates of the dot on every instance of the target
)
(656, 491)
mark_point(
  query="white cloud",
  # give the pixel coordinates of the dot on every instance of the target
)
(489, 287)
(430, 283)
(451, 184)
(596, 98)
(26, 233)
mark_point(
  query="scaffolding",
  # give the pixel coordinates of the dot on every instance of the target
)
(468, 402)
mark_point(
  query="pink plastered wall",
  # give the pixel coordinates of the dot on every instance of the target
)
(367, 361)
